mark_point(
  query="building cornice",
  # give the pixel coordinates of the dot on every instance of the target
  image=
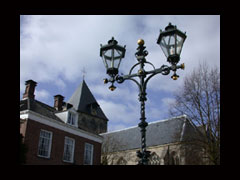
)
(28, 114)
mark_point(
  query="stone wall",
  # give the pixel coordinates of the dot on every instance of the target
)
(92, 123)
(169, 154)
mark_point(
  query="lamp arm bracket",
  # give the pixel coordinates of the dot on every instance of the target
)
(121, 79)
(130, 72)
(164, 70)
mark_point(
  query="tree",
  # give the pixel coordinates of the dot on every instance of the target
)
(110, 155)
(199, 99)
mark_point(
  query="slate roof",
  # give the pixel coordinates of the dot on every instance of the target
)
(158, 133)
(39, 107)
(82, 98)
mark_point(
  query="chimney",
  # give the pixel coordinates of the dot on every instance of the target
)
(58, 102)
(30, 88)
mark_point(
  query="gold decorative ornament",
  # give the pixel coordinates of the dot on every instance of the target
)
(140, 42)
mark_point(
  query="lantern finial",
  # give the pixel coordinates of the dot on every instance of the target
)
(140, 42)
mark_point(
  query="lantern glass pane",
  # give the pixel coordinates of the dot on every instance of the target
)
(104, 60)
(108, 54)
(109, 63)
(179, 44)
(168, 45)
(170, 40)
(164, 46)
(117, 58)
(117, 54)
(171, 44)
(107, 58)
(116, 63)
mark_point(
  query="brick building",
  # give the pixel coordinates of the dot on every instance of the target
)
(67, 133)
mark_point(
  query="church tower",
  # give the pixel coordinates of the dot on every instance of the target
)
(90, 115)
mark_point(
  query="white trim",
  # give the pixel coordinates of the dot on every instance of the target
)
(183, 129)
(28, 114)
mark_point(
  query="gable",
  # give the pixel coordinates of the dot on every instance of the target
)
(82, 100)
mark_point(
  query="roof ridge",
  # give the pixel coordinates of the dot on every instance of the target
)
(150, 123)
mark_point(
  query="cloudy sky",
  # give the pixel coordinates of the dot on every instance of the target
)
(54, 50)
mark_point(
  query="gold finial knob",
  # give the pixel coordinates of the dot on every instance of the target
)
(174, 77)
(183, 66)
(105, 81)
(140, 42)
(112, 87)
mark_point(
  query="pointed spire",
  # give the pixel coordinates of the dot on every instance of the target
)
(83, 72)
(82, 98)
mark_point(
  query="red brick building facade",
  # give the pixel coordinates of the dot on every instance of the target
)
(52, 135)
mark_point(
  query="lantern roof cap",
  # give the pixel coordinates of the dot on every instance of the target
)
(112, 44)
(170, 27)
(112, 41)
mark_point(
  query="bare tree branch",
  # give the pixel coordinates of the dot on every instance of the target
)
(199, 99)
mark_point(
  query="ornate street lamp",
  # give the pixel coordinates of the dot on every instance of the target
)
(112, 55)
(171, 41)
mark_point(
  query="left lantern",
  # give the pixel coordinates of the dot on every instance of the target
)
(112, 54)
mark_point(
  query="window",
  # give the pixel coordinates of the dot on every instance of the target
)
(88, 154)
(68, 154)
(121, 161)
(154, 159)
(71, 118)
(93, 111)
(44, 145)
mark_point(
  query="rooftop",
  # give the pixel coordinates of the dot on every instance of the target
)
(157, 133)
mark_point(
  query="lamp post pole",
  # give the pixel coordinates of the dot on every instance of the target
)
(144, 76)
(143, 154)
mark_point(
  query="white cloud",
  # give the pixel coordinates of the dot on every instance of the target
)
(54, 45)
(41, 95)
(167, 101)
(54, 50)
(60, 83)
(120, 112)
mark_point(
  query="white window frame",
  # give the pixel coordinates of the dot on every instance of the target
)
(73, 118)
(49, 145)
(73, 149)
(85, 153)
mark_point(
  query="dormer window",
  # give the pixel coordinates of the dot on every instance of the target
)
(93, 108)
(72, 118)
(93, 111)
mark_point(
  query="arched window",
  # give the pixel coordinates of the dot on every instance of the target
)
(121, 161)
(177, 161)
(171, 158)
(154, 159)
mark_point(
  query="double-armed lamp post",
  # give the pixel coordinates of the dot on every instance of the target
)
(171, 41)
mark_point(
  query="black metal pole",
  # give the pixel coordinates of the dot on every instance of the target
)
(143, 154)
